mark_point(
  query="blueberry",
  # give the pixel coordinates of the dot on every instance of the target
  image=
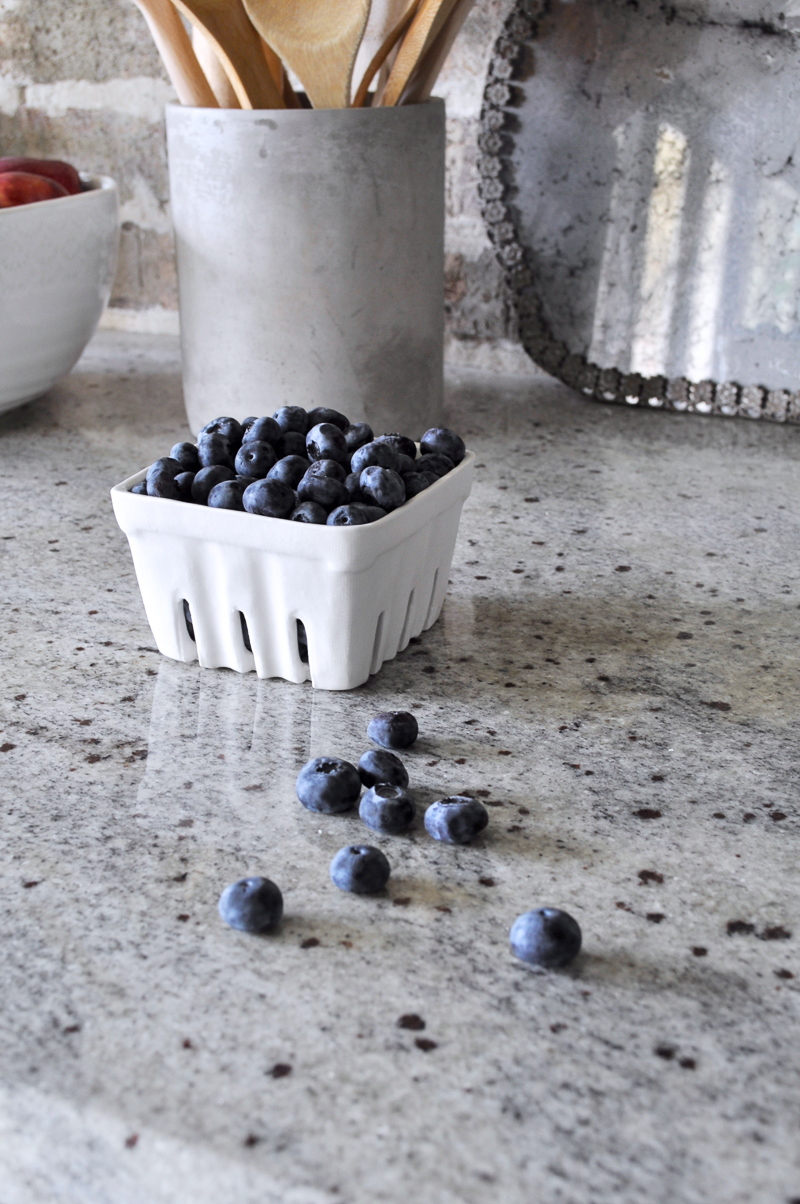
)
(251, 905)
(140, 488)
(405, 464)
(353, 514)
(270, 498)
(329, 785)
(186, 455)
(327, 468)
(309, 512)
(381, 455)
(456, 820)
(393, 729)
(323, 414)
(373, 513)
(326, 491)
(216, 449)
(206, 479)
(228, 494)
(415, 482)
(326, 442)
(292, 418)
(545, 937)
(292, 443)
(356, 435)
(443, 442)
(184, 481)
(376, 765)
(263, 430)
(161, 479)
(400, 443)
(437, 465)
(228, 427)
(255, 458)
(352, 484)
(387, 809)
(246, 424)
(383, 487)
(362, 869)
(290, 470)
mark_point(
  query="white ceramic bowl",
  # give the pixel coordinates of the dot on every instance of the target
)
(57, 264)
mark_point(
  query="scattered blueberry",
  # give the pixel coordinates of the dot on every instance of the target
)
(546, 937)
(290, 470)
(374, 454)
(292, 418)
(353, 514)
(327, 468)
(228, 494)
(393, 729)
(292, 443)
(383, 487)
(436, 465)
(255, 458)
(206, 479)
(186, 455)
(251, 905)
(356, 434)
(309, 512)
(401, 444)
(326, 491)
(228, 427)
(215, 448)
(444, 442)
(270, 498)
(326, 442)
(328, 784)
(323, 414)
(377, 765)
(263, 430)
(456, 820)
(362, 869)
(387, 809)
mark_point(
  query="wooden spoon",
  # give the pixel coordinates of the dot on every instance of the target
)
(213, 70)
(225, 24)
(177, 54)
(426, 72)
(431, 17)
(382, 53)
(318, 39)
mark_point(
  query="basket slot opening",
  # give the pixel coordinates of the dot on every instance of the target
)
(245, 632)
(433, 597)
(404, 638)
(187, 618)
(302, 642)
(375, 664)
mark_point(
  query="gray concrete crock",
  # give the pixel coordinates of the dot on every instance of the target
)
(310, 250)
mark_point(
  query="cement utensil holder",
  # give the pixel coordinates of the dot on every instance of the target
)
(310, 249)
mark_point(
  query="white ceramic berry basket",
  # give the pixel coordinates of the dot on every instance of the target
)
(361, 593)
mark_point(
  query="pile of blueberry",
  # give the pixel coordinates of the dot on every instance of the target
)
(545, 937)
(308, 466)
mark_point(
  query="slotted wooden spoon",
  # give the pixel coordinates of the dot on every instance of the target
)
(225, 24)
(317, 39)
(177, 55)
(423, 31)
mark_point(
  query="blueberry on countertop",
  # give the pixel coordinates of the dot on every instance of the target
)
(401, 443)
(393, 729)
(205, 480)
(442, 441)
(546, 937)
(251, 905)
(186, 455)
(229, 427)
(273, 499)
(356, 435)
(456, 820)
(362, 869)
(380, 455)
(263, 430)
(292, 443)
(215, 448)
(326, 442)
(228, 494)
(387, 809)
(290, 470)
(377, 765)
(326, 491)
(383, 487)
(324, 414)
(309, 512)
(292, 418)
(329, 785)
(255, 458)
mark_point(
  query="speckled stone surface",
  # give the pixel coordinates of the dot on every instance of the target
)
(615, 673)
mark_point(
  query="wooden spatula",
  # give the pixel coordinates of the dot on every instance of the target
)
(318, 39)
(382, 53)
(177, 54)
(429, 20)
(424, 76)
(225, 24)
(213, 70)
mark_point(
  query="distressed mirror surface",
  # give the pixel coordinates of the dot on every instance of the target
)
(641, 182)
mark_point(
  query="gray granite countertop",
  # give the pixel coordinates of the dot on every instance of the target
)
(615, 669)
